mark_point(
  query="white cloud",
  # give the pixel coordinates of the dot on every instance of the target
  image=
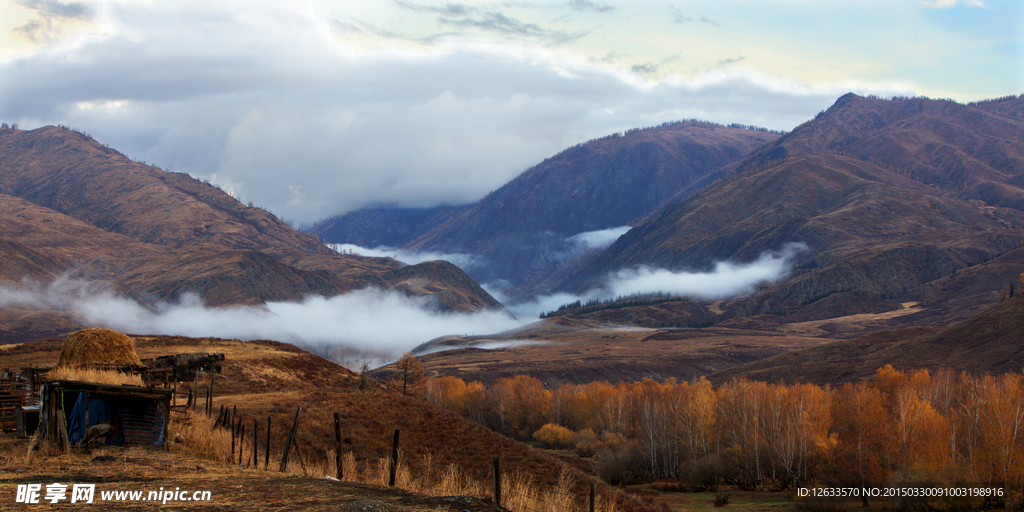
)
(368, 319)
(463, 261)
(725, 280)
(262, 99)
(598, 239)
(946, 4)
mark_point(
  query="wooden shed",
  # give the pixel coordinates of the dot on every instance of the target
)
(129, 415)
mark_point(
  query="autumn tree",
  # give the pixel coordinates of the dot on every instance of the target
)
(447, 392)
(860, 423)
(522, 404)
(740, 412)
(408, 375)
(995, 408)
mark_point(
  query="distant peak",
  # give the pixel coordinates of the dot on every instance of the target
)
(846, 99)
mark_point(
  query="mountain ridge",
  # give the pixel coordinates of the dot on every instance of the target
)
(71, 207)
(822, 185)
(519, 230)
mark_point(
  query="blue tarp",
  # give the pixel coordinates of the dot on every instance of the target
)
(100, 411)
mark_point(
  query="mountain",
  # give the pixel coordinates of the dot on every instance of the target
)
(889, 196)
(388, 227)
(992, 342)
(519, 232)
(71, 207)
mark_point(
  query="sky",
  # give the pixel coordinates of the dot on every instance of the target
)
(314, 108)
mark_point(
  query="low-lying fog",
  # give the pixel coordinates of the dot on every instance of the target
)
(370, 319)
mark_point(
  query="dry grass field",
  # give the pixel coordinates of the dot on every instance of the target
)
(580, 351)
(265, 379)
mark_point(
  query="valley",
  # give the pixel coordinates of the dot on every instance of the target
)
(877, 249)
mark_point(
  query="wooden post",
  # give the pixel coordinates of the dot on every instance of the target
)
(220, 417)
(211, 396)
(592, 490)
(497, 480)
(232, 427)
(86, 428)
(195, 389)
(337, 445)
(206, 405)
(188, 405)
(266, 464)
(291, 439)
(394, 460)
(255, 444)
(167, 422)
(62, 429)
(241, 440)
(52, 432)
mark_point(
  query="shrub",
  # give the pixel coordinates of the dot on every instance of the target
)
(702, 475)
(721, 499)
(585, 442)
(553, 436)
(612, 440)
(622, 465)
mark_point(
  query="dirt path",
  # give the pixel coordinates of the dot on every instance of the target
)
(813, 328)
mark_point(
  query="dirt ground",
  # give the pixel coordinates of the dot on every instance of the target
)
(231, 488)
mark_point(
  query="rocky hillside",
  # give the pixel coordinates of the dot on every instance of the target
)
(992, 342)
(519, 231)
(890, 196)
(70, 206)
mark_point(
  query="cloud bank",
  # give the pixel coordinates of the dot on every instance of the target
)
(263, 100)
(368, 319)
(725, 280)
(463, 261)
(599, 239)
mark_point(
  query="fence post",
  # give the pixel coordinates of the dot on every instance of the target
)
(210, 407)
(394, 460)
(288, 442)
(497, 480)
(241, 440)
(337, 445)
(266, 464)
(255, 444)
(592, 489)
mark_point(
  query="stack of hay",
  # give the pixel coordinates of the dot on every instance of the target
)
(96, 346)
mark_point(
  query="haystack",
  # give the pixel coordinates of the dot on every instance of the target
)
(97, 346)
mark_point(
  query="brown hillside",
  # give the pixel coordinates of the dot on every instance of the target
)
(992, 342)
(518, 230)
(888, 195)
(72, 174)
(267, 378)
(562, 349)
(70, 206)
